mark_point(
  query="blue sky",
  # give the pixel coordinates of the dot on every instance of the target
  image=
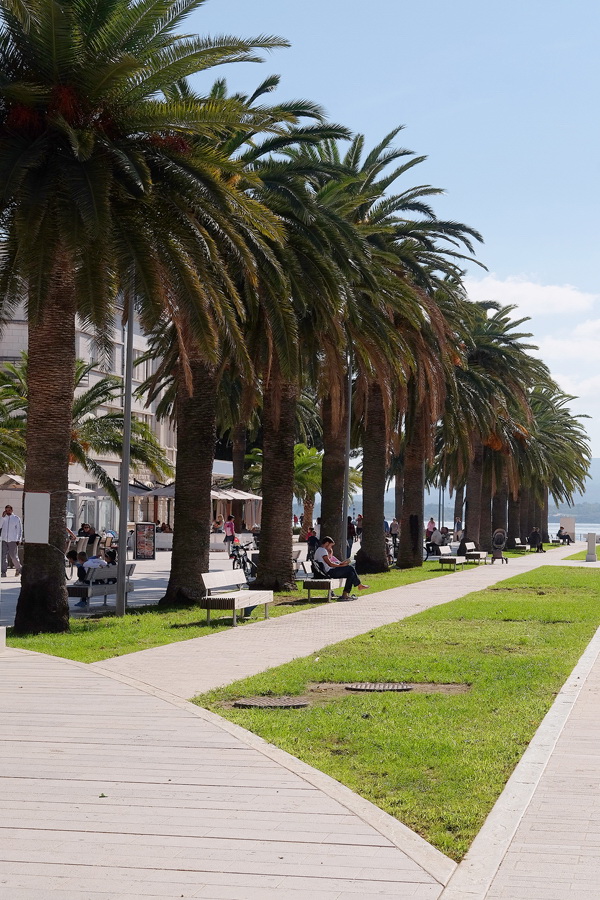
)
(503, 99)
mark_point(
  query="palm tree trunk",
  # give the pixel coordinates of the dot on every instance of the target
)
(307, 517)
(196, 439)
(533, 511)
(544, 513)
(500, 507)
(410, 545)
(43, 605)
(485, 532)
(275, 566)
(459, 502)
(399, 493)
(238, 441)
(372, 556)
(333, 473)
(473, 504)
(524, 513)
(514, 521)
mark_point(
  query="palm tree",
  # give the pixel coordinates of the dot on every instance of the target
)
(95, 431)
(108, 185)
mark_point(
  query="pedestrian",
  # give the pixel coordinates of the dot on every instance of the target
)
(535, 540)
(229, 533)
(395, 532)
(430, 529)
(359, 526)
(457, 528)
(351, 536)
(313, 544)
(11, 533)
(89, 532)
(318, 527)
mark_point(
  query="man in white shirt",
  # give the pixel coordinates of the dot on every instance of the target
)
(339, 568)
(11, 532)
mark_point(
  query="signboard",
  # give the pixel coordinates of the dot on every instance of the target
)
(144, 542)
(36, 517)
(568, 523)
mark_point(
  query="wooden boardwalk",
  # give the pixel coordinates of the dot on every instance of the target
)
(109, 792)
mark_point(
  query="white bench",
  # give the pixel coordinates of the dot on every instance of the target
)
(237, 596)
(519, 545)
(473, 555)
(447, 559)
(96, 588)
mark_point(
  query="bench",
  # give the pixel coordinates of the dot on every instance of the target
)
(229, 591)
(473, 555)
(321, 581)
(520, 546)
(447, 559)
(97, 587)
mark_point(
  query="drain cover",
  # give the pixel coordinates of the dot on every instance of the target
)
(270, 703)
(378, 686)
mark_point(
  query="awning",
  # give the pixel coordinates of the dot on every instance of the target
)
(17, 483)
(216, 493)
(134, 491)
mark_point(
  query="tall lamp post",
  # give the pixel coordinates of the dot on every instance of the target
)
(347, 467)
(125, 462)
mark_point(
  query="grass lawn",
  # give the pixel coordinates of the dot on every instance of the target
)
(435, 761)
(93, 639)
(583, 554)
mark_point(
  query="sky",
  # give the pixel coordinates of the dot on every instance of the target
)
(502, 97)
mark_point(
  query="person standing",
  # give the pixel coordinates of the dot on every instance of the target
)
(351, 536)
(11, 532)
(395, 531)
(430, 529)
(229, 533)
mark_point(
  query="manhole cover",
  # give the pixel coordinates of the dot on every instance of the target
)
(270, 703)
(378, 686)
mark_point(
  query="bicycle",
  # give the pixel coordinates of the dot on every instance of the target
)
(242, 561)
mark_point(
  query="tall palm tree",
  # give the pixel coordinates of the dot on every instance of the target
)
(108, 185)
(95, 430)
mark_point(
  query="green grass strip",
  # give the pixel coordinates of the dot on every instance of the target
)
(94, 639)
(437, 762)
(583, 554)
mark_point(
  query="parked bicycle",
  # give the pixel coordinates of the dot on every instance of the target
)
(241, 560)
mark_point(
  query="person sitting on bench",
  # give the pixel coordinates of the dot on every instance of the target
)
(564, 536)
(337, 568)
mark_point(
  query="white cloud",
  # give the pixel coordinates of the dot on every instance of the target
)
(530, 297)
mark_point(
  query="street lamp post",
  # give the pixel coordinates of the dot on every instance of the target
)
(125, 462)
(347, 468)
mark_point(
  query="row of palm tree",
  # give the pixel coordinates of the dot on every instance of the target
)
(273, 261)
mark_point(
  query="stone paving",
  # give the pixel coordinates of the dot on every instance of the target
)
(113, 786)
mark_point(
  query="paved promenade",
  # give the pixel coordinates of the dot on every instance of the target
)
(113, 786)
(198, 665)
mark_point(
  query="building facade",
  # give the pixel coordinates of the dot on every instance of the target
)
(103, 513)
